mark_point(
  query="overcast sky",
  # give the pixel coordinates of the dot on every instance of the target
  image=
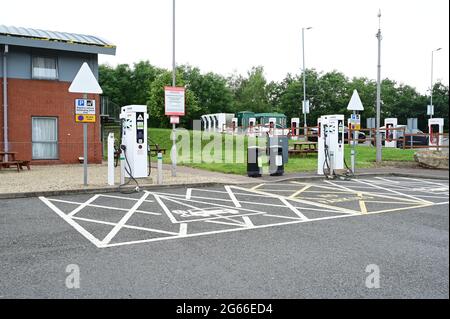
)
(227, 36)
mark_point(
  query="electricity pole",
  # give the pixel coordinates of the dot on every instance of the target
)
(378, 135)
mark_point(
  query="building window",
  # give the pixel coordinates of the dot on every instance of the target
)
(45, 138)
(45, 68)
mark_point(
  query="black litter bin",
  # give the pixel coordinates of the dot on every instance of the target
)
(254, 165)
(276, 162)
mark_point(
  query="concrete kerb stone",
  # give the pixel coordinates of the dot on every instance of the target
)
(113, 189)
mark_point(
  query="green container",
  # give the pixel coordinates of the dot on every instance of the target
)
(264, 118)
(243, 118)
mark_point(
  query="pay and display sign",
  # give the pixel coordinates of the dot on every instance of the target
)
(174, 98)
(85, 111)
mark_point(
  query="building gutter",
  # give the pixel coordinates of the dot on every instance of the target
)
(5, 100)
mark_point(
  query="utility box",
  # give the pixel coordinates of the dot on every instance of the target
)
(243, 119)
(134, 140)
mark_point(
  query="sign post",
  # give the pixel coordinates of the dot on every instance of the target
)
(355, 105)
(85, 83)
(174, 98)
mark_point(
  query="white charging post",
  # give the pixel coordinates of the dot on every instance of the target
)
(134, 139)
(330, 143)
(111, 159)
(436, 131)
(390, 125)
(356, 106)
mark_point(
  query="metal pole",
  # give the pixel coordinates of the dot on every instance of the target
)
(5, 101)
(174, 147)
(378, 135)
(353, 148)
(431, 88)
(85, 150)
(304, 80)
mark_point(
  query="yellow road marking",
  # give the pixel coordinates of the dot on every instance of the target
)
(300, 191)
(257, 186)
(362, 204)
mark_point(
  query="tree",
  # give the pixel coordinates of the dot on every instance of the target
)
(252, 95)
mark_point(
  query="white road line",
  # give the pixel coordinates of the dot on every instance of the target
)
(224, 223)
(188, 193)
(152, 230)
(387, 180)
(183, 229)
(72, 223)
(165, 209)
(393, 191)
(425, 181)
(124, 219)
(309, 203)
(76, 210)
(247, 221)
(256, 227)
(295, 210)
(233, 198)
(101, 206)
(125, 198)
(257, 186)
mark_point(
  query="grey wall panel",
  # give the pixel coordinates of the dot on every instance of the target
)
(19, 62)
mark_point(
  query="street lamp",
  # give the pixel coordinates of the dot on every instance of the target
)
(304, 77)
(431, 89)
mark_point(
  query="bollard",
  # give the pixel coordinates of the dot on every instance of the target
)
(111, 159)
(160, 169)
(122, 168)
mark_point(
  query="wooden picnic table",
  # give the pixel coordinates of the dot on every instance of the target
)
(12, 161)
(304, 148)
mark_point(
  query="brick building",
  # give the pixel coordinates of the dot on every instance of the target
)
(38, 113)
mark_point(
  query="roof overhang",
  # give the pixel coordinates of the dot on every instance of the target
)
(56, 45)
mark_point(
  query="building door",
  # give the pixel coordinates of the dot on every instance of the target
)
(45, 138)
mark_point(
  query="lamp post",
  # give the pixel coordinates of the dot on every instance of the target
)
(431, 88)
(378, 120)
(174, 72)
(304, 78)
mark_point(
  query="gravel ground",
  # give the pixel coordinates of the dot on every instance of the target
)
(68, 177)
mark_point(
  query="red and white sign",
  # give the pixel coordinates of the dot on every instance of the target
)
(174, 98)
(174, 120)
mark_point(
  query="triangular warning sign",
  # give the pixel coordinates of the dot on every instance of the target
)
(355, 103)
(85, 82)
(140, 118)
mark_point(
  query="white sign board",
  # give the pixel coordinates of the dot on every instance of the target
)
(86, 107)
(85, 82)
(174, 98)
(305, 107)
(355, 103)
(430, 110)
(174, 120)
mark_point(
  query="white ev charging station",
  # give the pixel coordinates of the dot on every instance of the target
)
(330, 144)
(436, 129)
(391, 135)
(134, 140)
(251, 125)
(295, 130)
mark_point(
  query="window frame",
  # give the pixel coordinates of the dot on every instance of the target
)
(46, 142)
(34, 77)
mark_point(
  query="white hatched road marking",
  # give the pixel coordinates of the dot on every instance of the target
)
(219, 211)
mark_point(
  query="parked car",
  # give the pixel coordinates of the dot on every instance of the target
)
(418, 140)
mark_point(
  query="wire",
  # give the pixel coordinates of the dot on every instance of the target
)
(130, 174)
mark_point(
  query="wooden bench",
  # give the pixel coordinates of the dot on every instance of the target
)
(10, 162)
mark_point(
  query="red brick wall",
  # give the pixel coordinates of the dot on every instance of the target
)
(28, 98)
